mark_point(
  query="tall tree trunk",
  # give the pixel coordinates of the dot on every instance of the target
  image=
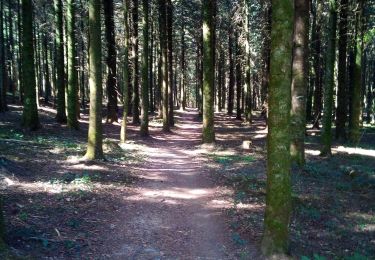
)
(164, 62)
(329, 81)
(356, 106)
(209, 14)
(317, 65)
(30, 118)
(171, 85)
(266, 51)
(183, 62)
(111, 61)
(247, 81)
(238, 78)
(231, 76)
(123, 134)
(95, 135)
(135, 76)
(72, 70)
(342, 86)
(278, 199)
(299, 80)
(60, 73)
(145, 82)
(2, 62)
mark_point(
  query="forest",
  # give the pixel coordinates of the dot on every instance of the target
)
(187, 129)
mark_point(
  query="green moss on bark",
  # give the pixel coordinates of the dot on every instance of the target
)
(278, 199)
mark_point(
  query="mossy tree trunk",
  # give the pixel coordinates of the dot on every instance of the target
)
(95, 138)
(30, 118)
(123, 134)
(135, 63)
(356, 94)
(72, 64)
(59, 63)
(342, 86)
(278, 199)
(145, 66)
(112, 107)
(164, 62)
(299, 80)
(209, 13)
(329, 80)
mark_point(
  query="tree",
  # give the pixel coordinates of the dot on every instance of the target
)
(72, 70)
(209, 12)
(30, 118)
(278, 198)
(164, 62)
(356, 93)
(126, 80)
(2, 62)
(95, 139)
(342, 86)
(329, 81)
(135, 76)
(145, 67)
(231, 75)
(170, 61)
(299, 79)
(111, 61)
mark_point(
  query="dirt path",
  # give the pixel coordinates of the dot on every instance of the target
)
(176, 212)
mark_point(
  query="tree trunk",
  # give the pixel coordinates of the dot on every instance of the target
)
(231, 76)
(247, 81)
(342, 92)
(238, 78)
(2, 62)
(123, 134)
(182, 89)
(72, 70)
(145, 82)
(170, 60)
(164, 62)
(112, 107)
(356, 106)
(329, 81)
(209, 13)
(278, 199)
(299, 80)
(135, 76)
(60, 73)
(30, 118)
(95, 138)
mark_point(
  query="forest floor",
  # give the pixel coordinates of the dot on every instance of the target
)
(169, 197)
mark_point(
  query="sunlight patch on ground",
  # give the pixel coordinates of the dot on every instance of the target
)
(359, 151)
(312, 152)
(259, 136)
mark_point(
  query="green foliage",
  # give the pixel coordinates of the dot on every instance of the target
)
(230, 159)
(315, 257)
(238, 240)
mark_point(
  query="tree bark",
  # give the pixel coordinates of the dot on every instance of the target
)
(329, 81)
(209, 13)
(145, 65)
(112, 107)
(30, 118)
(95, 134)
(299, 80)
(278, 199)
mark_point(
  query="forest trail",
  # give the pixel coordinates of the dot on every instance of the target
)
(175, 212)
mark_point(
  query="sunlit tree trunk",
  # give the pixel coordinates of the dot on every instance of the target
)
(209, 13)
(278, 199)
(123, 134)
(30, 118)
(299, 80)
(145, 81)
(95, 138)
(111, 61)
(329, 80)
